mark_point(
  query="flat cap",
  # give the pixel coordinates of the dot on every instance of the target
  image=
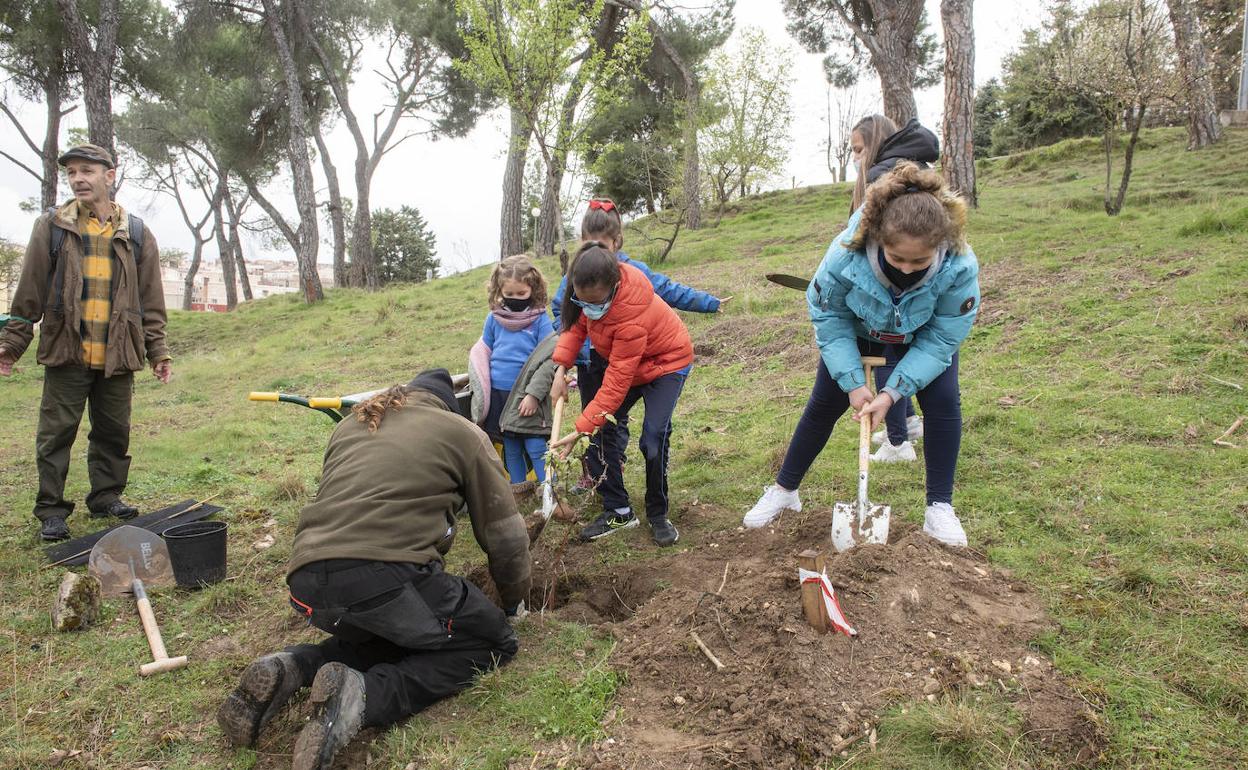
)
(91, 152)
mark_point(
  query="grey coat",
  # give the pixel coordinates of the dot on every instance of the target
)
(535, 380)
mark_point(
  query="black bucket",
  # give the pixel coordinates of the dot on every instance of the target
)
(197, 553)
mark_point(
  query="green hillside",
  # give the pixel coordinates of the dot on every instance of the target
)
(1101, 368)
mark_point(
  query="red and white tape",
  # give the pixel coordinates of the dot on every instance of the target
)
(829, 599)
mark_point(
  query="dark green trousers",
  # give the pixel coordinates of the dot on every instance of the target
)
(66, 390)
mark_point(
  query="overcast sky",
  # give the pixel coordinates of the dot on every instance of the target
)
(455, 183)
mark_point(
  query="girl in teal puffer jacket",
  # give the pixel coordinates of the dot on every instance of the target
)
(902, 283)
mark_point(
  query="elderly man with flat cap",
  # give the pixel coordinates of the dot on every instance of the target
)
(366, 567)
(91, 279)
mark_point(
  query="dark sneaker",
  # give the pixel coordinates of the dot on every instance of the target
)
(116, 508)
(607, 523)
(54, 528)
(663, 531)
(264, 688)
(338, 700)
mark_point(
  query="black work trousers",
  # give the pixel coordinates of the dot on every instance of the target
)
(416, 633)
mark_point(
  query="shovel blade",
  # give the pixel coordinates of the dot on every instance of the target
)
(127, 553)
(849, 529)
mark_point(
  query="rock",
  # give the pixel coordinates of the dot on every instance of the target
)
(741, 702)
(912, 601)
(754, 754)
(1003, 665)
(930, 686)
(956, 618)
(77, 602)
(679, 701)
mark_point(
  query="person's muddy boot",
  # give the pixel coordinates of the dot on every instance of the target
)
(338, 700)
(264, 688)
(54, 529)
(122, 510)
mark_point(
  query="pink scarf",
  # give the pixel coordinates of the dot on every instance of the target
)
(514, 321)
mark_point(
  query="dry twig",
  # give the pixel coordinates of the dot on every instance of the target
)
(719, 666)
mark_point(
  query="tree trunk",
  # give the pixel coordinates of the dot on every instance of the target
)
(51, 145)
(188, 285)
(511, 236)
(363, 262)
(550, 221)
(897, 85)
(224, 252)
(1203, 128)
(959, 129)
(236, 246)
(337, 217)
(300, 164)
(96, 66)
(1114, 208)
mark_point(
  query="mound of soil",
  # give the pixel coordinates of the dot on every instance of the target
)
(931, 620)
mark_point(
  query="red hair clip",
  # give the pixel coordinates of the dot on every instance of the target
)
(606, 204)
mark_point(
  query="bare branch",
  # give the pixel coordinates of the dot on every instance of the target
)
(20, 129)
(22, 165)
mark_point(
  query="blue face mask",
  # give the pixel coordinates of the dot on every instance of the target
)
(595, 311)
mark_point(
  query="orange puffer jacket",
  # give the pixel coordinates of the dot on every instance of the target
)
(641, 338)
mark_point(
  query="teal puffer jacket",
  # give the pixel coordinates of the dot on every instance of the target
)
(849, 299)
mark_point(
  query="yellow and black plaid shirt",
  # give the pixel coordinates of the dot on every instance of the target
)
(97, 284)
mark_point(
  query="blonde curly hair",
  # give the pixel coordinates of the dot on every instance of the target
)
(518, 267)
(373, 411)
(912, 202)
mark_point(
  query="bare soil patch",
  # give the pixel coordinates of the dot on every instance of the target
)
(932, 621)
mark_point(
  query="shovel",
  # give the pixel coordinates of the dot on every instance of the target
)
(124, 561)
(548, 486)
(861, 522)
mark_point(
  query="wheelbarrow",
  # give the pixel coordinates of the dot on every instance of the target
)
(338, 407)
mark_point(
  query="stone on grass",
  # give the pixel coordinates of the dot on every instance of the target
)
(77, 602)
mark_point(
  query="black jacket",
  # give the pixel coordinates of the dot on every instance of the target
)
(912, 142)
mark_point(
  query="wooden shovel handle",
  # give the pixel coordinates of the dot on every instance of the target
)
(557, 420)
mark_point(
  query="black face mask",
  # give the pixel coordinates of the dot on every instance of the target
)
(899, 279)
(517, 305)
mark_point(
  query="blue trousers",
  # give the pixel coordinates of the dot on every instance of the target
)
(941, 401)
(522, 452)
(606, 457)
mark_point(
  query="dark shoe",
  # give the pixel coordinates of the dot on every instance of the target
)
(664, 531)
(338, 700)
(116, 508)
(607, 523)
(54, 529)
(264, 688)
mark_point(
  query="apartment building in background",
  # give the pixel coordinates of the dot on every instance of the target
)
(268, 278)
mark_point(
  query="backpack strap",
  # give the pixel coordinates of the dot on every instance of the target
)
(138, 234)
(55, 274)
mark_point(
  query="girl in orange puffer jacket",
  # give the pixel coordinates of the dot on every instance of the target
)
(649, 355)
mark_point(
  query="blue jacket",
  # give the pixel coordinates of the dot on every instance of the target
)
(849, 298)
(677, 296)
(509, 350)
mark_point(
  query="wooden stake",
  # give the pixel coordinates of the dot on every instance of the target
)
(812, 595)
(1222, 440)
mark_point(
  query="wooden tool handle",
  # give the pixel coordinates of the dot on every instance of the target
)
(148, 618)
(864, 434)
(557, 421)
(164, 664)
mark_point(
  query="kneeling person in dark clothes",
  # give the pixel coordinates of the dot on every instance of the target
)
(366, 566)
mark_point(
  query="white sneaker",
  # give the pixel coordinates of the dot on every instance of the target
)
(942, 523)
(902, 453)
(914, 431)
(769, 506)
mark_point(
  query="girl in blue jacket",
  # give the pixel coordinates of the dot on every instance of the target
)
(604, 460)
(900, 282)
(516, 324)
